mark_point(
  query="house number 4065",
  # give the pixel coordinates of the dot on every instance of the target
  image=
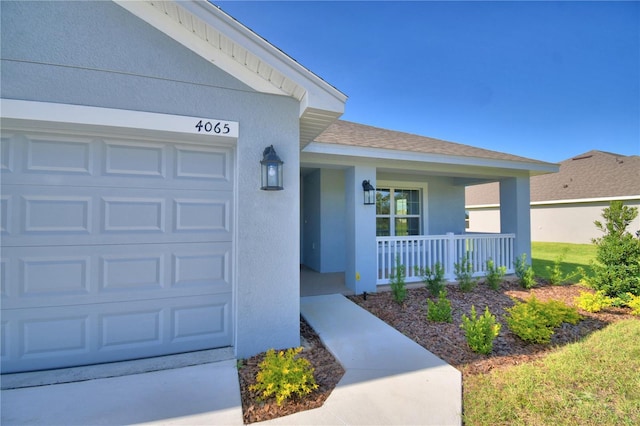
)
(217, 127)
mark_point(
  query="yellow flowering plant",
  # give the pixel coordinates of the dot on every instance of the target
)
(284, 374)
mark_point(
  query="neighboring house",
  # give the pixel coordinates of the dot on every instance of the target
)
(565, 205)
(133, 221)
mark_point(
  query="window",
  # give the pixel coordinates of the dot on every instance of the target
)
(397, 212)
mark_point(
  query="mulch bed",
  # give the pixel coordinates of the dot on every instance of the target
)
(327, 373)
(446, 340)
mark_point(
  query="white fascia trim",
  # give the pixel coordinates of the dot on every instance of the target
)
(164, 23)
(568, 201)
(388, 154)
(310, 88)
(96, 116)
(483, 206)
(318, 93)
(588, 200)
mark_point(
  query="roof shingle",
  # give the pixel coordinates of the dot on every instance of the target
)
(353, 134)
(594, 174)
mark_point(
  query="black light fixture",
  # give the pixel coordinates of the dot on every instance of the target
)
(271, 166)
(369, 192)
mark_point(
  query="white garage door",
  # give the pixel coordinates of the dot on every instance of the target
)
(113, 248)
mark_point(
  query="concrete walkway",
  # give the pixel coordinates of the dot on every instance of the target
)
(389, 380)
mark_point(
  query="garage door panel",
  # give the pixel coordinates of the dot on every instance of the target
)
(52, 337)
(58, 155)
(42, 215)
(203, 163)
(41, 159)
(131, 159)
(6, 153)
(113, 248)
(5, 221)
(35, 277)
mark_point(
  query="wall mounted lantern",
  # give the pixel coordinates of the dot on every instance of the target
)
(271, 166)
(369, 193)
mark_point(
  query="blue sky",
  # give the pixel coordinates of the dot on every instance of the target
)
(545, 80)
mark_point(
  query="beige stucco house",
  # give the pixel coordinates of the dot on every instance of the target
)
(564, 205)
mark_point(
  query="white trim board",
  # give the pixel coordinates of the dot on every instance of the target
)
(95, 116)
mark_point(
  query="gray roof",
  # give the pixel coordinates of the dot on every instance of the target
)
(359, 135)
(594, 174)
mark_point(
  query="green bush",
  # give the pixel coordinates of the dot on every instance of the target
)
(593, 302)
(283, 374)
(433, 279)
(557, 277)
(634, 304)
(534, 321)
(398, 288)
(495, 275)
(524, 272)
(464, 274)
(617, 266)
(480, 332)
(439, 311)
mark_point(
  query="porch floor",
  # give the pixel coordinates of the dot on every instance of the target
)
(313, 283)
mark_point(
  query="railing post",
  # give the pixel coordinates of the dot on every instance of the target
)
(450, 247)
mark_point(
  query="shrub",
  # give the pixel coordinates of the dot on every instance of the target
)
(524, 272)
(398, 289)
(617, 266)
(534, 321)
(634, 304)
(439, 311)
(593, 302)
(283, 374)
(464, 274)
(557, 277)
(480, 331)
(433, 279)
(495, 274)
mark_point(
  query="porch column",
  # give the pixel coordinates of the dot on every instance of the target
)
(360, 232)
(515, 216)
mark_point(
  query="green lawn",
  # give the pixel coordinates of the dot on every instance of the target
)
(593, 382)
(575, 255)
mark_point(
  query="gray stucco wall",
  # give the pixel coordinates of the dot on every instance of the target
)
(97, 54)
(446, 207)
(323, 220)
(333, 220)
(311, 220)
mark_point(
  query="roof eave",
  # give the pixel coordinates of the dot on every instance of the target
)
(220, 39)
(533, 168)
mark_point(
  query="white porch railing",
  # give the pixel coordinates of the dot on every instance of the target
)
(422, 251)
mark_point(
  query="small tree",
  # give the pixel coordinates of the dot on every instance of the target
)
(524, 272)
(495, 274)
(398, 289)
(617, 266)
(464, 274)
(433, 279)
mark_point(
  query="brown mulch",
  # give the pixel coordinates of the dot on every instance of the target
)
(327, 373)
(446, 340)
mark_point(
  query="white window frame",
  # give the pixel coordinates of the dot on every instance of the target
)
(421, 187)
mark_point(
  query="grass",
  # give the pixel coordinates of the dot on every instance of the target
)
(593, 382)
(575, 255)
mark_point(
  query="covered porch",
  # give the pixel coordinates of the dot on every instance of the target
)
(314, 283)
(415, 214)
